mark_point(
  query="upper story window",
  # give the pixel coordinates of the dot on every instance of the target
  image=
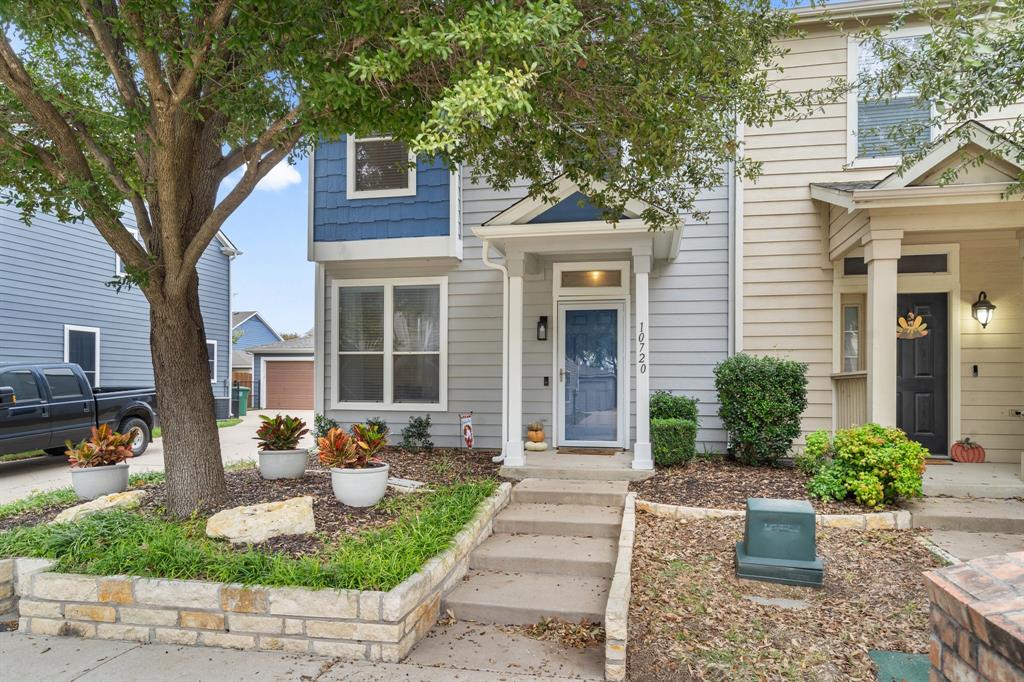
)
(118, 265)
(379, 167)
(872, 123)
(211, 359)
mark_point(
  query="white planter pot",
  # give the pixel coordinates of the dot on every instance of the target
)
(360, 487)
(99, 481)
(283, 463)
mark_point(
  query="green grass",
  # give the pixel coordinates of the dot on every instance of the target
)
(128, 543)
(52, 498)
(221, 424)
(16, 456)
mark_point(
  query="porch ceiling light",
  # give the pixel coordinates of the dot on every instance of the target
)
(982, 310)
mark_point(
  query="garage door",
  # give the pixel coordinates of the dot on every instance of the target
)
(289, 384)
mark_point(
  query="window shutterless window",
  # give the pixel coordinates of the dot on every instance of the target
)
(211, 358)
(63, 383)
(379, 167)
(82, 347)
(390, 344)
(851, 338)
(118, 265)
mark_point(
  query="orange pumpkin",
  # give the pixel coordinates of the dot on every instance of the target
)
(967, 451)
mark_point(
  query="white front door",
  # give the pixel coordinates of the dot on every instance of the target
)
(591, 340)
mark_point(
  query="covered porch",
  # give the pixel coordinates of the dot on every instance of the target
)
(928, 298)
(576, 331)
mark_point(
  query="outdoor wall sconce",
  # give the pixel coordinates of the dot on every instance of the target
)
(542, 328)
(982, 310)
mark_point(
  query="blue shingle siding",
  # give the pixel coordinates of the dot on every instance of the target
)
(570, 210)
(337, 218)
(53, 274)
(254, 333)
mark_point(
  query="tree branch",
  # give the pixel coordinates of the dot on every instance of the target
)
(240, 156)
(149, 60)
(211, 25)
(113, 52)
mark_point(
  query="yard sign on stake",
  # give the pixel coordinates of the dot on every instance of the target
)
(466, 420)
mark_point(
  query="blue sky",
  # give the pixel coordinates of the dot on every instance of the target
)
(272, 275)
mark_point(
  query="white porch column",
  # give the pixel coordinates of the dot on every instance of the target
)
(642, 341)
(881, 253)
(514, 444)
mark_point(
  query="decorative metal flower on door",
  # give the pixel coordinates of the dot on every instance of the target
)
(911, 327)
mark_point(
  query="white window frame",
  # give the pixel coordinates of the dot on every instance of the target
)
(853, 97)
(860, 338)
(213, 378)
(388, 353)
(118, 264)
(350, 172)
(68, 328)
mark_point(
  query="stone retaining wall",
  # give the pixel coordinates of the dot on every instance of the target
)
(889, 520)
(616, 615)
(977, 618)
(352, 624)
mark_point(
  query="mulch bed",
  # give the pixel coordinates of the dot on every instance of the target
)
(724, 484)
(690, 618)
(440, 466)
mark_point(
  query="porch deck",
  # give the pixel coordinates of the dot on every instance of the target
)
(988, 479)
(551, 464)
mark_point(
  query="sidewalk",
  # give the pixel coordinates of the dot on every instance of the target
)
(32, 658)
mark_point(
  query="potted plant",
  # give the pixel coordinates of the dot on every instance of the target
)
(535, 432)
(968, 451)
(278, 441)
(98, 465)
(358, 477)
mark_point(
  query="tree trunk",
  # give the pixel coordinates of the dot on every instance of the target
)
(195, 472)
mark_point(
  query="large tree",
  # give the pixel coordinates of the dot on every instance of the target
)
(138, 109)
(970, 63)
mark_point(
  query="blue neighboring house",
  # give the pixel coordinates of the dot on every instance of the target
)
(55, 305)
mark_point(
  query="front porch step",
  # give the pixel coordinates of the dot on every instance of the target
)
(592, 557)
(564, 491)
(580, 520)
(526, 598)
(556, 472)
(966, 514)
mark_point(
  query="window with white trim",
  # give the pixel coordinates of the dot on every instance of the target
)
(82, 347)
(118, 265)
(211, 359)
(379, 167)
(873, 122)
(390, 343)
(851, 338)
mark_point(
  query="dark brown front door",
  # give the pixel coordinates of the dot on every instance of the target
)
(922, 373)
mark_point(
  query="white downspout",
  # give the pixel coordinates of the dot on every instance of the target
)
(504, 345)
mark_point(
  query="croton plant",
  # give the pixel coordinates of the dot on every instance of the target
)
(280, 432)
(357, 449)
(105, 447)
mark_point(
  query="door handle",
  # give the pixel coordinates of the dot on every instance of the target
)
(29, 409)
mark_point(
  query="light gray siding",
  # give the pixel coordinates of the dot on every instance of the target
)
(53, 274)
(689, 324)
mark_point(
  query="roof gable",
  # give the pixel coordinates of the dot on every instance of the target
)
(960, 151)
(567, 208)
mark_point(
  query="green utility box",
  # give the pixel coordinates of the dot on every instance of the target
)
(779, 543)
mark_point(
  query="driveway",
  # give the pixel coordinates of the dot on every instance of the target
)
(18, 479)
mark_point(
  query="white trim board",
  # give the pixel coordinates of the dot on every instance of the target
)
(387, 404)
(79, 328)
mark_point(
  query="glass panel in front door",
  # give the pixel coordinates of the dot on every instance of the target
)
(591, 375)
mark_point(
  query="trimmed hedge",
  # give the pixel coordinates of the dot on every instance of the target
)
(673, 441)
(664, 405)
(761, 399)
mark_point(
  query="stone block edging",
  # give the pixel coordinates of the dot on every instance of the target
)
(616, 614)
(352, 624)
(887, 520)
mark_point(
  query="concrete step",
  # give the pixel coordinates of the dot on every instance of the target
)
(580, 474)
(997, 480)
(968, 514)
(566, 491)
(966, 546)
(580, 520)
(593, 557)
(525, 598)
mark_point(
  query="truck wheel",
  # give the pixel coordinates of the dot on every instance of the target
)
(141, 441)
(56, 452)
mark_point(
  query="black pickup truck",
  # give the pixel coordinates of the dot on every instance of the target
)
(42, 406)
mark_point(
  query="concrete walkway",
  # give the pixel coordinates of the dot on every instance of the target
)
(33, 658)
(18, 479)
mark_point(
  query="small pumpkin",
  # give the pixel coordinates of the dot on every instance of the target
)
(535, 432)
(967, 451)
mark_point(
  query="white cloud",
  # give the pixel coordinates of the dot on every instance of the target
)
(281, 176)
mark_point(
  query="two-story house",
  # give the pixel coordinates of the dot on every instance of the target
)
(838, 247)
(56, 305)
(442, 297)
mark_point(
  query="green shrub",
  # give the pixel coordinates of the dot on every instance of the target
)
(322, 424)
(416, 434)
(664, 405)
(760, 403)
(873, 464)
(673, 441)
(815, 454)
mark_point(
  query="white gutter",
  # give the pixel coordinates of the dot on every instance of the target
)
(736, 244)
(504, 345)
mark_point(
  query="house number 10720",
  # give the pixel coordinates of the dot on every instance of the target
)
(641, 349)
